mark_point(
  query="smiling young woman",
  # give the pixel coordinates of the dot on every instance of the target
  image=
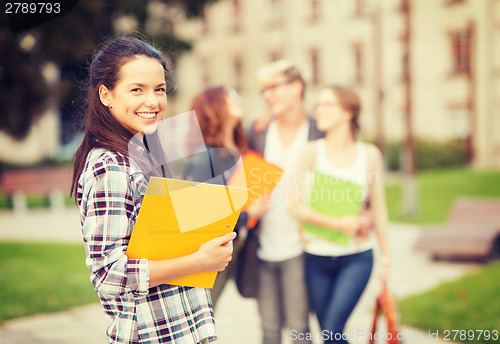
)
(139, 97)
(127, 94)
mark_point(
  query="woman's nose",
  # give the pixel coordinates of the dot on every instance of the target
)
(152, 99)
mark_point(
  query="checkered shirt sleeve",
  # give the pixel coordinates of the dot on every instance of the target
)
(109, 194)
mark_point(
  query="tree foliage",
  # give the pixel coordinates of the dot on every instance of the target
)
(68, 41)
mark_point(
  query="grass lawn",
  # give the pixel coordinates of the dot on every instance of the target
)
(38, 278)
(469, 303)
(35, 201)
(437, 191)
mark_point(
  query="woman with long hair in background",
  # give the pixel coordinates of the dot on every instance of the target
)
(334, 179)
(219, 113)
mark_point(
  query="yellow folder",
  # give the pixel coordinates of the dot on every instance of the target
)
(178, 216)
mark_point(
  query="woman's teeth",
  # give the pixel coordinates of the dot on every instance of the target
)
(146, 115)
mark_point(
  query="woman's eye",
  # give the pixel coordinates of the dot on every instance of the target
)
(161, 90)
(136, 90)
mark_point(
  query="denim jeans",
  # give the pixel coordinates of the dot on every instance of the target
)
(335, 285)
(282, 299)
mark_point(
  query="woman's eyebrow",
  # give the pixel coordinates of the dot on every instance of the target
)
(143, 85)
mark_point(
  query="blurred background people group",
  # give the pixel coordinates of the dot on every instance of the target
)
(324, 268)
(299, 271)
(384, 53)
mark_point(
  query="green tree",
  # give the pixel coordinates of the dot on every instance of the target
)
(68, 41)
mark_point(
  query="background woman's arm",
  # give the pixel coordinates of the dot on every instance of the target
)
(378, 205)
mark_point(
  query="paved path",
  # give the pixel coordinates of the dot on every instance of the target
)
(237, 318)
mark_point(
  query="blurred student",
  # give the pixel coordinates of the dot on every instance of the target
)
(219, 112)
(342, 173)
(282, 296)
(127, 94)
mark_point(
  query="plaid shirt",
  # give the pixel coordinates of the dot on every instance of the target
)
(110, 191)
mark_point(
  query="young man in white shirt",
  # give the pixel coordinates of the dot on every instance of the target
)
(282, 295)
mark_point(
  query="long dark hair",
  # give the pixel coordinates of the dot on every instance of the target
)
(102, 130)
(349, 101)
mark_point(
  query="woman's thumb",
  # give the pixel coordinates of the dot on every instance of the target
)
(227, 238)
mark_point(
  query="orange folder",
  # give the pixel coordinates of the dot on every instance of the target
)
(178, 216)
(261, 176)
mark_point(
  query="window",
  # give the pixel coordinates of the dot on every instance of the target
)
(236, 26)
(314, 8)
(460, 45)
(459, 122)
(453, 2)
(274, 56)
(204, 21)
(205, 72)
(276, 13)
(496, 51)
(314, 58)
(404, 60)
(359, 7)
(238, 73)
(404, 6)
(357, 50)
(460, 128)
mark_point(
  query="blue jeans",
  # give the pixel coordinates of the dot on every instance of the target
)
(282, 299)
(335, 285)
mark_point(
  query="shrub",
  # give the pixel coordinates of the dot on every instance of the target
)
(430, 154)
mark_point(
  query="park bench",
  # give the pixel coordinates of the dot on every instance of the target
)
(51, 182)
(471, 232)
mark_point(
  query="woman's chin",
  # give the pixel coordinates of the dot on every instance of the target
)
(322, 127)
(150, 129)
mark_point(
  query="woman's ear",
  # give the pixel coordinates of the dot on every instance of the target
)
(348, 116)
(105, 96)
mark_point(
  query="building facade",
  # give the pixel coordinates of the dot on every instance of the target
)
(429, 65)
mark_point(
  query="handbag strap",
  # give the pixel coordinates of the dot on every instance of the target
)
(385, 302)
(375, 318)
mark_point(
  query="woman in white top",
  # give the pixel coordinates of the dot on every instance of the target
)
(334, 179)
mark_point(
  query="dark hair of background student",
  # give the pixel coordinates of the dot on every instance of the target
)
(213, 113)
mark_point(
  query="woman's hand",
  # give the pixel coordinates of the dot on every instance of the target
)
(217, 253)
(214, 255)
(384, 274)
(366, 225)
(384, 270)
(350, 225)
(258, 208)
